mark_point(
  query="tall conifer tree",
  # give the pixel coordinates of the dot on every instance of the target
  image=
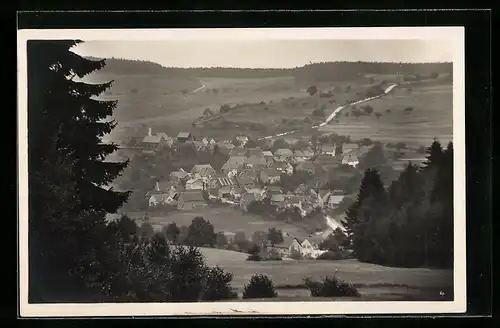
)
(67, 175)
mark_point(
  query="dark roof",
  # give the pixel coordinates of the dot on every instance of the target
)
(237, 151)
(254, 152)
(192, 196)
(272, 172)
(184, 135)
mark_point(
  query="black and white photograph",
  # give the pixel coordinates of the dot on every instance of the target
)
(241, 171)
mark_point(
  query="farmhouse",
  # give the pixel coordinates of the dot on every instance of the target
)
(195, 184)
(160, 199)
(169, 141)
(233, 163)
(270, 175)
(184, 136)
(254, 157)
(237, 151)
(245, 182)
(267, 154)
(350, 159)
(307, 248)
(249, 173)
(178, 176)
(190, 200)
(278, 199)
(328, 150)
(302, 155)
(203, 170)
(332, 201)
(151, 142)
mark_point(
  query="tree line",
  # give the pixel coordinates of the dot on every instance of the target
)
(410, 223)
(321, 71)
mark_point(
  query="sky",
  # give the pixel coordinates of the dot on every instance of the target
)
(268, 53)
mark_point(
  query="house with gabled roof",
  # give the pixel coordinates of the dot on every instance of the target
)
(350, 159)
(270, 176)
(308, 247)
(191, 199)
(233, 163)
(327, 149)
(254, 157)
(245, 182)
(153, 142)
(196, 183)
(203, 170)
(184, 136)
(237, 151)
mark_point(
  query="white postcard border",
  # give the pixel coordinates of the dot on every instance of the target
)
(453, 35)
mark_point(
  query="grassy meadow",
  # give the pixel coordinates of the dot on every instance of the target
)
(375, 282)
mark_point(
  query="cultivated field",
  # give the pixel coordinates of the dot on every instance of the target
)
(432, 116)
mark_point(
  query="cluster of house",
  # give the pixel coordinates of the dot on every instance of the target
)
(249, 174)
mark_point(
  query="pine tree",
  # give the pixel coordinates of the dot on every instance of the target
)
(66, 110)
(67, 175)
(407, 188)
(441, 200)
(362, 216)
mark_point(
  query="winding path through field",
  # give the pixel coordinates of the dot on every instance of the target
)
(335, 113)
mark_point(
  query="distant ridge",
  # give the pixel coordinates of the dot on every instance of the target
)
(321, 71)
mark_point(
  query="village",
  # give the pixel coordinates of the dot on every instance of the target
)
(302, 178)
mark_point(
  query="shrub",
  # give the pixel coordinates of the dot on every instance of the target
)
(331, 287)
(330, 256)
(254, 257)
(218, 286)
(260, 286)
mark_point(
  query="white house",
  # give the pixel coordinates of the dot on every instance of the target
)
(328, 150)
(306, 248)
(350, 159)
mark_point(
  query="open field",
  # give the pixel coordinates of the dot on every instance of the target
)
(374, 282)
(432, 116)
(224, 219)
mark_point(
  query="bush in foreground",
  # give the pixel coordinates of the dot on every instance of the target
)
(260, 286)
(217, 285)
(330, 287)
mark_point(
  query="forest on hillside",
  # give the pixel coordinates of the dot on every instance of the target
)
(324, 71)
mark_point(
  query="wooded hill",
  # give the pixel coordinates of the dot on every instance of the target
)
(324, 71)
